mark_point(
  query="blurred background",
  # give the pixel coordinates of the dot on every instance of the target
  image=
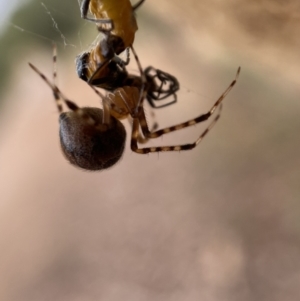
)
(220, 222)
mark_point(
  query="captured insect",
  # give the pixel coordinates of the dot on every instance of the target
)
(94, 138)
(156, 90)
(111, 75)
(116, 20)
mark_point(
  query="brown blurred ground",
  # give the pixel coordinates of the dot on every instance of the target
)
(221, 222)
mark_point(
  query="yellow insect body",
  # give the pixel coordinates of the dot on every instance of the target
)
(122, 15)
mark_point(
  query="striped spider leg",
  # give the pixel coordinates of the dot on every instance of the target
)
(140, 121)
(90, 137)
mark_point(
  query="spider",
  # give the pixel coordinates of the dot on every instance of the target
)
(94, 139)
(116, 20)
(92, 68)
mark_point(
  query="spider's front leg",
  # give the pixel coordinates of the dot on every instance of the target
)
(140, 138)
(141, 122)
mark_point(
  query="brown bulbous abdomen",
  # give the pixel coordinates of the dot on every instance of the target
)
(87, 145)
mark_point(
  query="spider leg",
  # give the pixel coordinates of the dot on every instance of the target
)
(140, 138)
(137, 5)
(135, 139)
(188, 123)
(54, 58)
(105, 105)
(141, 121)
(143, 91)
(59, 97)
(56, 92)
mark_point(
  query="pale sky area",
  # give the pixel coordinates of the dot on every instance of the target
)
(7, 7)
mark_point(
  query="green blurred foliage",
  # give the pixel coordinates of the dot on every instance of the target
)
(39, 31)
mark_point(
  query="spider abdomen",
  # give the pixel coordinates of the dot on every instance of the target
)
(87, 145)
